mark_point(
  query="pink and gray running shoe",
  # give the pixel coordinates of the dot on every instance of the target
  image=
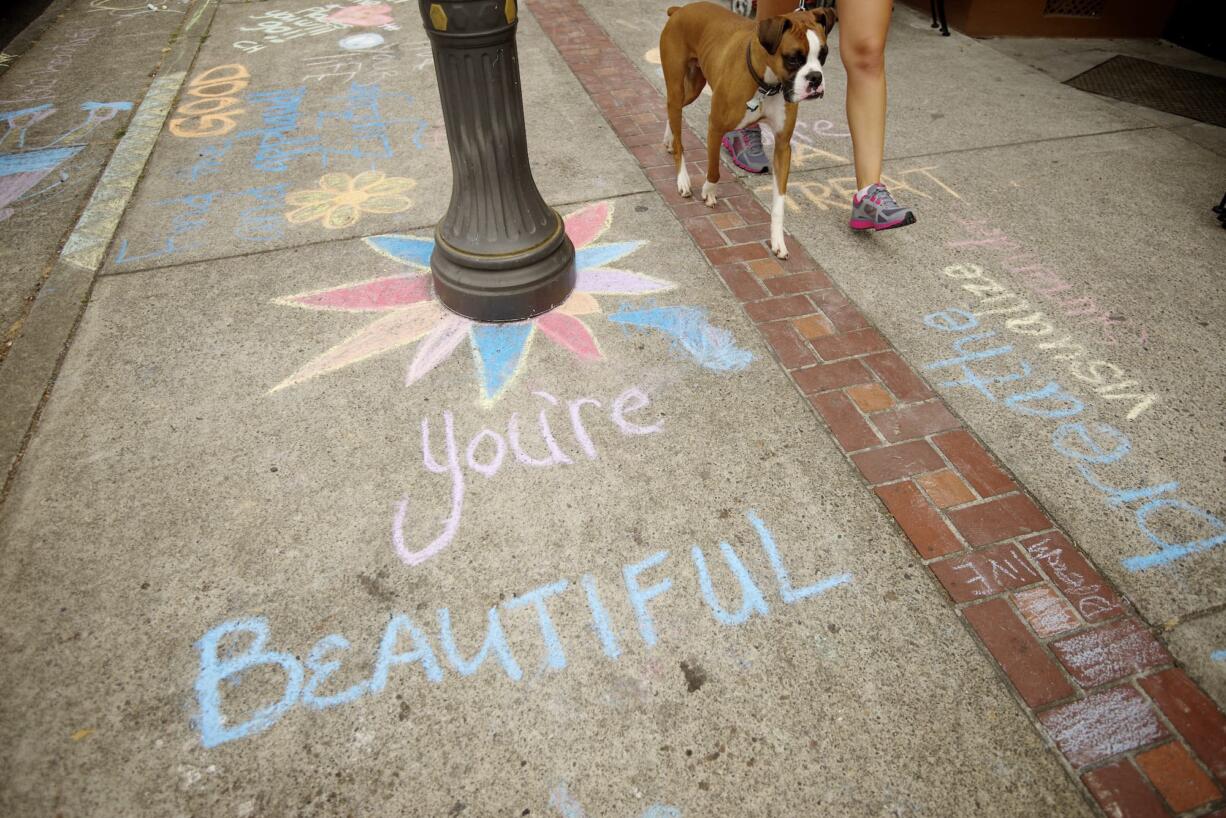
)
(877, 210)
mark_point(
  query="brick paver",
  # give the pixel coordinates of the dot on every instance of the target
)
(1139, 734)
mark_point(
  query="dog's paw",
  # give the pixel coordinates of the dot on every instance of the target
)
(683, 183)
(708, 194)
(780, 249)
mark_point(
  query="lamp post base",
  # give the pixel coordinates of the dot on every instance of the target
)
(504, 288)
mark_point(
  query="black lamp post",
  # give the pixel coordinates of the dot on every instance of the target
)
(501, 253)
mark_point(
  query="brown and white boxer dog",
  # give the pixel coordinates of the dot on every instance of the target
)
(757, 71)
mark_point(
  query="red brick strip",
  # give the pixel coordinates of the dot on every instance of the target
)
(1140, 735)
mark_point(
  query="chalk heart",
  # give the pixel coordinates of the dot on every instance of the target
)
(367, 15)
(408, 313)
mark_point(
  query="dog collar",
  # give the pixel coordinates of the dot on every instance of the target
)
(766, 90)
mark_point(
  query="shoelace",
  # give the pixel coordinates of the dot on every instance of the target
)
(883, 198)
(753, 140)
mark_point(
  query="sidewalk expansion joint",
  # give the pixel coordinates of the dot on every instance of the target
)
(1097, 683)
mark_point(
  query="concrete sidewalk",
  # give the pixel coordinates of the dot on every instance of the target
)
(287, 538)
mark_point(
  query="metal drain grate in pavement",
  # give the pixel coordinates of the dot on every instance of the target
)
(1174, 90)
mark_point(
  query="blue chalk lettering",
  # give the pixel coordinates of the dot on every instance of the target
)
(388, 657)
(321, 670)
(661, 811)
(752, 600)
(1218, 656)
(973, 380)
(967, 357)
(495, 638)
(944, 320)
(214, 669)
(1060, 440)
(1172, 551)
(787, 593)
(536, 598)
(639, 596)
(1052, 391)
(600, 617)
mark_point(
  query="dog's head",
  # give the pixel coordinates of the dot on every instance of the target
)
(796, 51)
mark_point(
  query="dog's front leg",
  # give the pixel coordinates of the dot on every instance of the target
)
(714, 136)
(779, 167)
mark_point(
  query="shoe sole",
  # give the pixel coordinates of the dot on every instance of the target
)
(863, 224)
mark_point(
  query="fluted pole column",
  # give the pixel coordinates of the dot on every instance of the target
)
(501, 253)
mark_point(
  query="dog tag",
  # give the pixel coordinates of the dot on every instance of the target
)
(753, 104)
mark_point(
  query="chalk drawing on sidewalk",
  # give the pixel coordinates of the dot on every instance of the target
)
(21, 173)
(341, 199)
(412, 314)
(568, 806)
(231, 649)
(834, 193)
(1176, 527)
(360, 42)
(97, 224)
(379, 14)
(217, 93)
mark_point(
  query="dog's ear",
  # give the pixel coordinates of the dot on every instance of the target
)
(825, 17)
(770, 32)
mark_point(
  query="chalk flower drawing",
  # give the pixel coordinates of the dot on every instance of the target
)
(364, 15)
(341, 199)
(411, 314)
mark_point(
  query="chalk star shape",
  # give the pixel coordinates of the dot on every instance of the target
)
(411, 313)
